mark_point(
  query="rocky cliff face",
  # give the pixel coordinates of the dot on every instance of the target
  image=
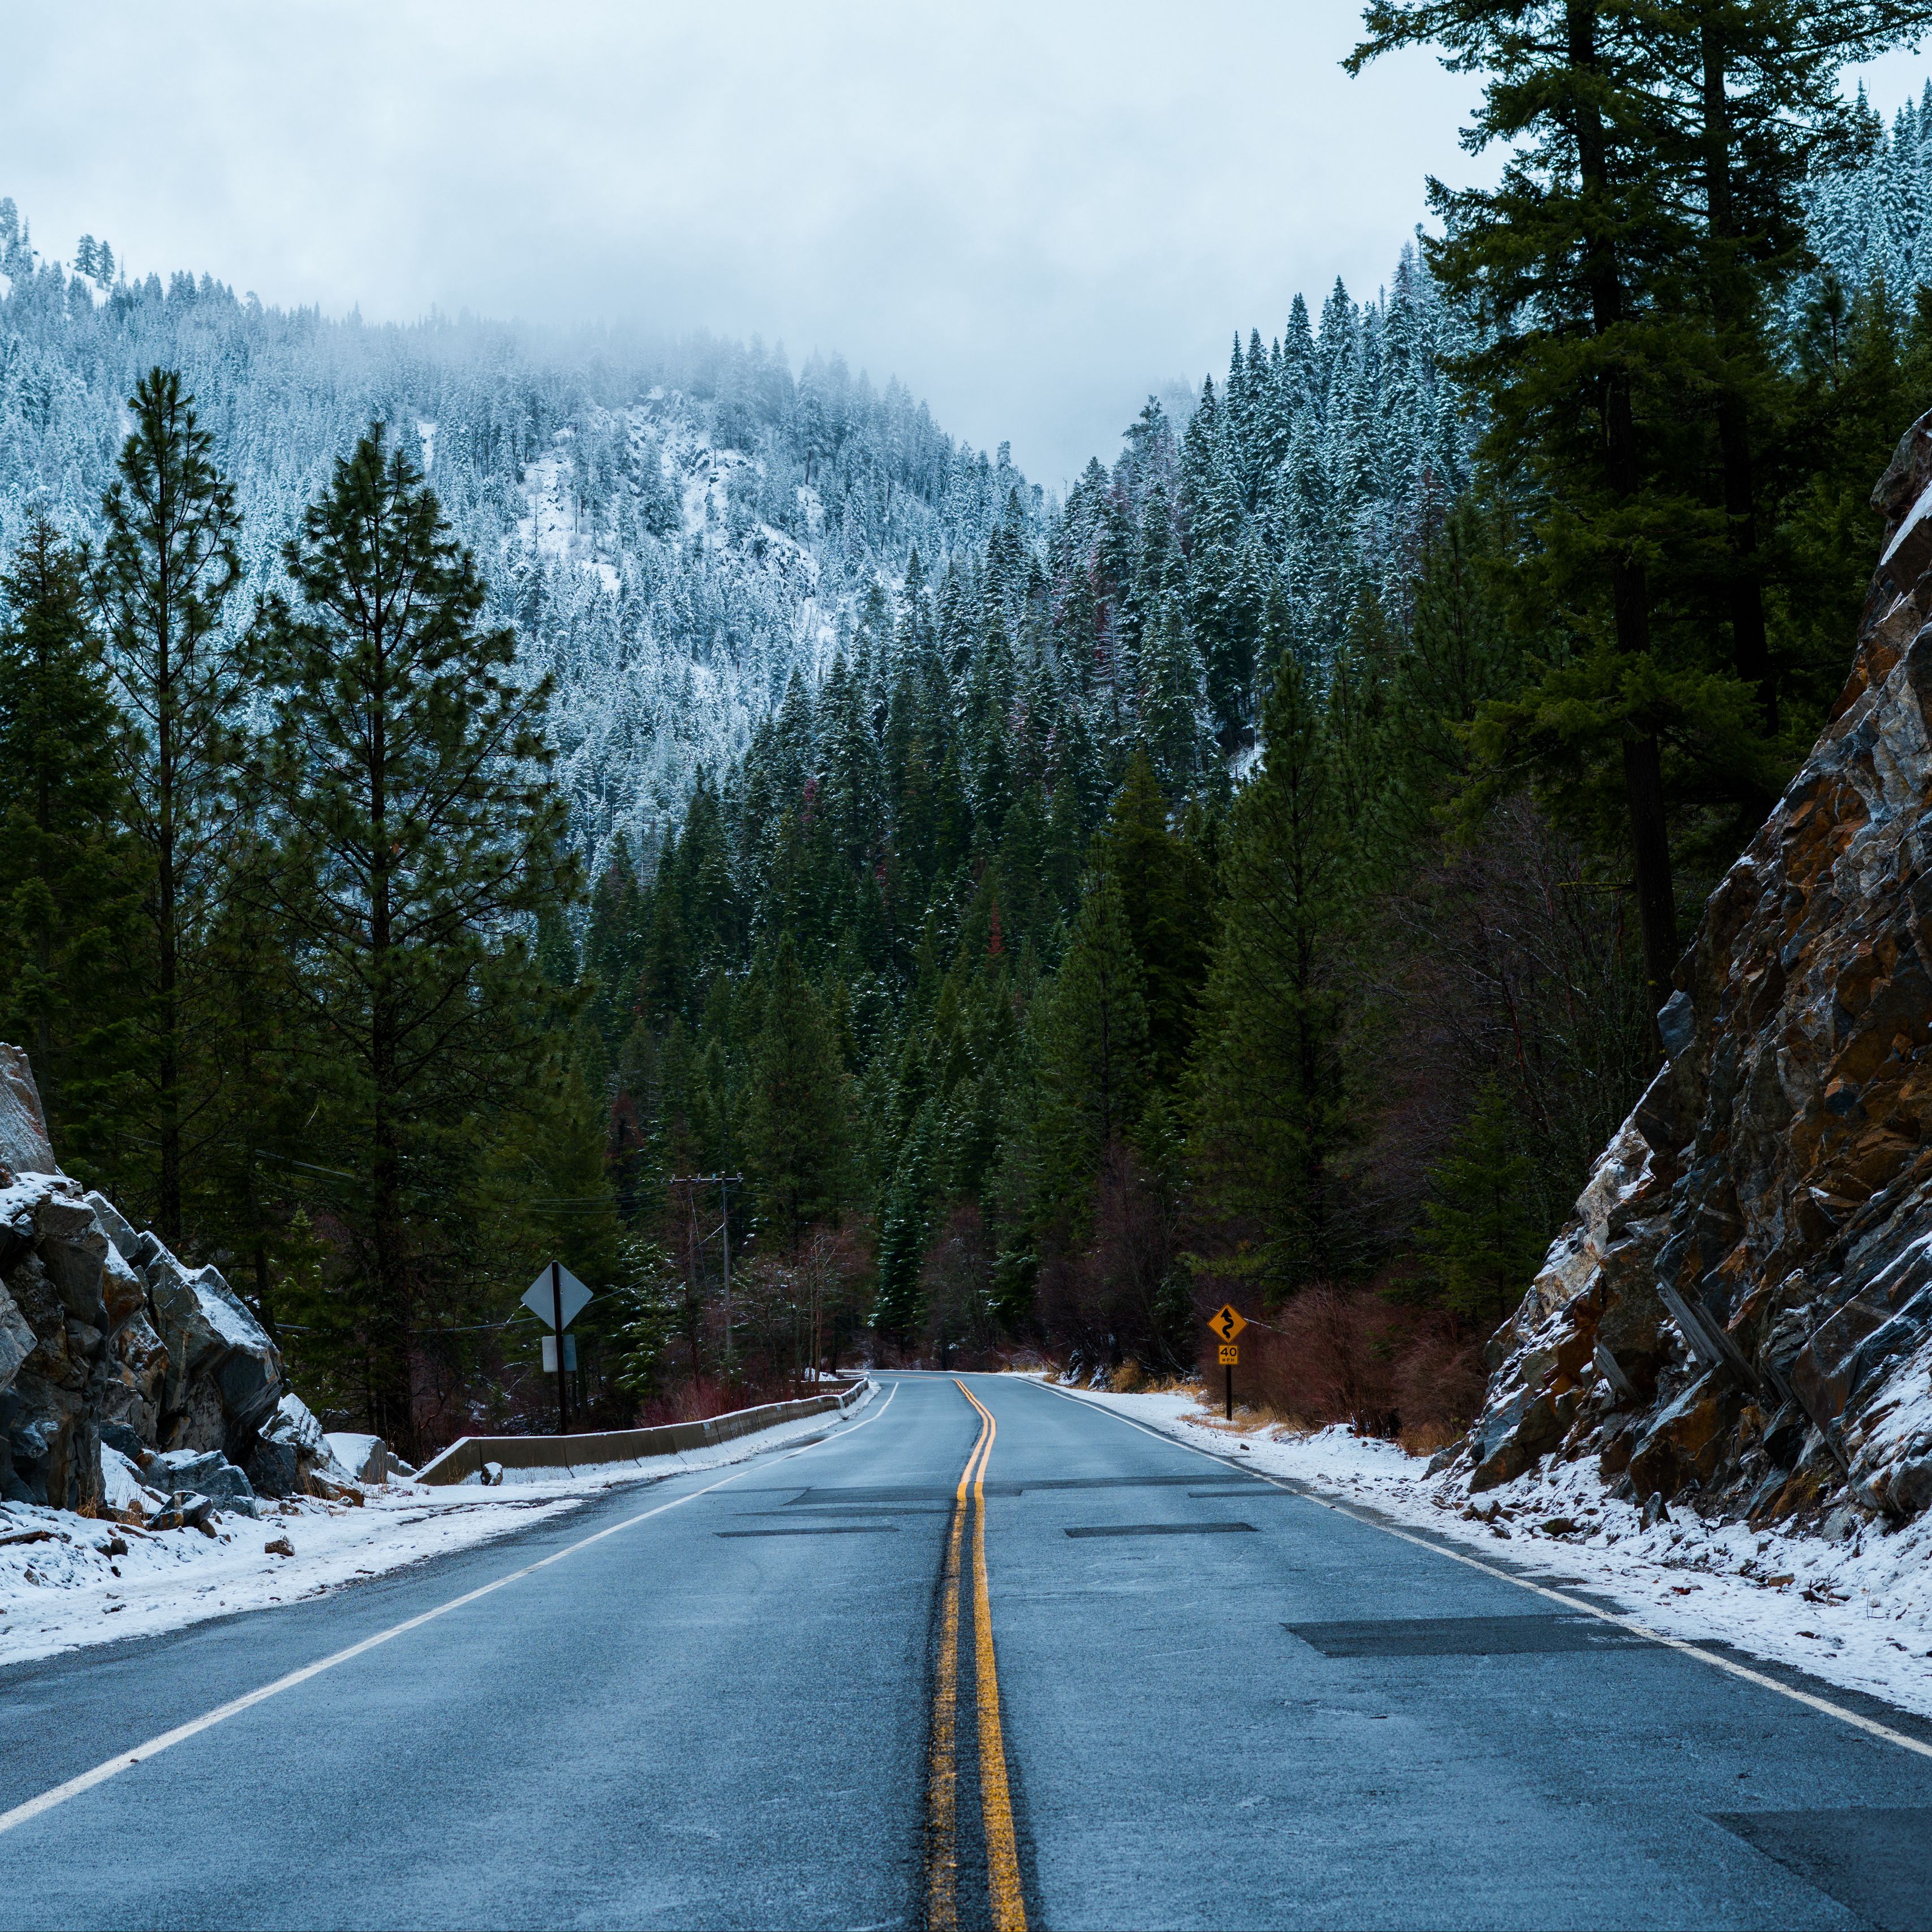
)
(1740, 1310)
(109, 1346)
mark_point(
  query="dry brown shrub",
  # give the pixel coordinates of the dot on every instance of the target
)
(1332, 1355)
(1127, 1379)
(1439, 1381)
(1325, 1357)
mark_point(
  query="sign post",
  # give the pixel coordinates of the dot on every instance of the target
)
(1227, 1321)
(556, 1323)
(557, 1297)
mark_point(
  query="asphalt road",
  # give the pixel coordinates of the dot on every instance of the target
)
(1128, 1687)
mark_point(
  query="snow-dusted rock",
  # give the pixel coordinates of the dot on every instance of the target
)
(102, 1328)
(127, 1243)
(16, 1338)
(202, 1472)
(364, 1457)
(224, 1374)
(24, 1146)
(124, 1497)
(293, 1455)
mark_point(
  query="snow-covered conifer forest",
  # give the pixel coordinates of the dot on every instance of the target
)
(1222, 878)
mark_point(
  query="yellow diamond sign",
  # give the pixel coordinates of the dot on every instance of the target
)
(1227, 1322)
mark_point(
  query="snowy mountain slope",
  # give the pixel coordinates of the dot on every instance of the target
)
(675, 528)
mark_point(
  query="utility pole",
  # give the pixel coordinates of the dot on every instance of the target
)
(724, 1204)
(724, 1183)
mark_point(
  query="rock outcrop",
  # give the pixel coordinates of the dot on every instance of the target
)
(1740, 1309)
(106, 1337)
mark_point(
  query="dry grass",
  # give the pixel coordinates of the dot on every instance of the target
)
(1424, 1438)
(1251, 1418)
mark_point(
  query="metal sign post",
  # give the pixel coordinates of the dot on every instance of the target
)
(1227, 1321)
(557, 1297)
(556, 1322)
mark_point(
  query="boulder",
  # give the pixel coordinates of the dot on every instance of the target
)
(224, 1375)
(1908, 1487)
(291, 1454)
(126, 1243)
(364, 1457)
(124, 1496)
(202, 1472)
(102, 1329)
(1682, 1445)
(17, 1340)
(1513, 1440)
(24, 1146)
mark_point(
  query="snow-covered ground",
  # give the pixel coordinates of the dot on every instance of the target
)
(83, 1580)
(1855, 1612)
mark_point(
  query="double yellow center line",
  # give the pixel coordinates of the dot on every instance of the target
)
(1003, 1863)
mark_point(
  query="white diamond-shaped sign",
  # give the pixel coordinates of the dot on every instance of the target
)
(541, 1299)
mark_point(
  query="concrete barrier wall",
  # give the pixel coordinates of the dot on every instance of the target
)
(467, 1455)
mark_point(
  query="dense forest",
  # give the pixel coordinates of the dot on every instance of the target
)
(996, 923)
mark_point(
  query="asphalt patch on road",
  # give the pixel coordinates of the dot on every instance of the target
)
(820, 1529)
(794, 1511)
(925, 1493)
(1248, 1491)
(1876, 1863)
(1109, 1482)
(1540, 1634)
(1162, 1529)
(908, 1493)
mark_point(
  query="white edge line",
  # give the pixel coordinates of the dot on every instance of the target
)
(112, 1767)
(1869, 1725)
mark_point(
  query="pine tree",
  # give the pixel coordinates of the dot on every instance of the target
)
(406, 793)
(1482, 1240)
(614, 943)
(905, 1222)
(1167, 898)
(1270, 1106)
(167, 566)
(69, 883)
(1627, 261)
(1172, 720)
(798, 1130)
(1094, 1057)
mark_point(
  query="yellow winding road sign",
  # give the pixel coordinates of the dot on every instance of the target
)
(1227, 1321)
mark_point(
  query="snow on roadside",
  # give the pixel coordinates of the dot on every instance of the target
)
(1856, 1612)
(72, 1585)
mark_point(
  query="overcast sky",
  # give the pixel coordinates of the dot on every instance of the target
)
(1032, 214)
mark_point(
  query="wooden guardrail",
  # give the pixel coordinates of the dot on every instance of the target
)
(466, 1456)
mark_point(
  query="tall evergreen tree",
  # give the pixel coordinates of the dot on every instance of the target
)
(1482, 1238)
(798, 1132)
(1093, 1063)
(1167, 899)
(168, 564)
(406, 790)
(69, 885)
(1270, 1105)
